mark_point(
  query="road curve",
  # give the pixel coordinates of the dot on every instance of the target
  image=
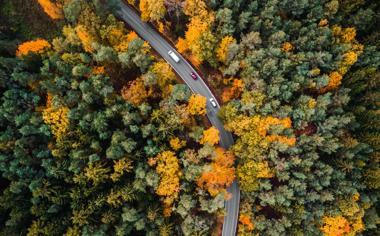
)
(183, 69)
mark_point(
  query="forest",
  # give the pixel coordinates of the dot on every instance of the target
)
(100, 136)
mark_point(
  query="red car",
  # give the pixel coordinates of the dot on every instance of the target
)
(194, 76)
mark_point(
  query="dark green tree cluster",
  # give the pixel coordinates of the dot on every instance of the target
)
(97, 137)
(306, 122)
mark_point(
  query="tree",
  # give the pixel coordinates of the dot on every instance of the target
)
(51, 9)
(335, 225)
(210, 136)
(135, 92)
(197, 105)
(222, 50)
(152, 10)
(199, 38)
(57, 119)
(176, 143)
(168, 169)
(220, 174)
(85, 38)
(35, 46)
(195, 7)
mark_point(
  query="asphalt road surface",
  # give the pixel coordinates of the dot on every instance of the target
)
(183, 69)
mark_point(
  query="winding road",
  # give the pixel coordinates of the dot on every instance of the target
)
(183, 69)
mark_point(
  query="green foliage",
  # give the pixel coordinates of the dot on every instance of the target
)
(96, 178)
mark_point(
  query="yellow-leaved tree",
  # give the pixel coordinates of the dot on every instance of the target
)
(58, 120)
(198, 37)
(167, 167)
(222, 50)
(176, 143)
(165, 76)
(335, 226)
(197, 105)
(152, 10)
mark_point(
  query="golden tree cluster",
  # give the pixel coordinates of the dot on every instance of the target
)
(176, 143)
(165, 76)
(198, 29)
(167, 167)
(245, 220)
(335, 226)
(57, 119)
(243, 124)
(222, 50)
(197, 105)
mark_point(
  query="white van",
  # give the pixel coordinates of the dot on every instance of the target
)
(173, 56)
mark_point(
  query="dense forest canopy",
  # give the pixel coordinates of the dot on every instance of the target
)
(99, 136)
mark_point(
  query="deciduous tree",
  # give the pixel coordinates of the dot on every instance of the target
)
(51, 9)
(197, 105)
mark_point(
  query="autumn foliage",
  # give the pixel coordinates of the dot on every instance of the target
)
(210, 136)
(35, 46)
(220, 173)
(245, 220)
(176, 143)
(152, 10)
(135, 92)
(233, 91)
(287, 47)
(335, 226)
(85, 38)
(51, 9)
(58, 120)
(167, 167)
(197, 105)
(223, 47)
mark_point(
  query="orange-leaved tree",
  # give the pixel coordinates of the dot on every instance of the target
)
(245, 220)
(287, 47)
(234, 91)
(135, 92)
(220, 174)
(210, 136)
(85, 38)
(35, 46)
(181, 45)
(51, 9)
(197, 105)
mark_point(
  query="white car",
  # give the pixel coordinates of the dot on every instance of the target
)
(213, 103)
(173, 56)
